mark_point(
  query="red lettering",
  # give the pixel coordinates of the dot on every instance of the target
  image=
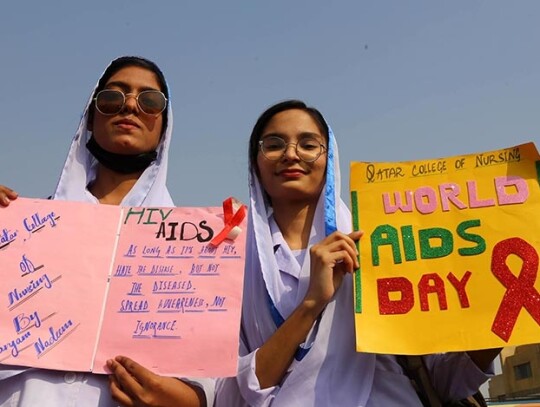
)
(459, 285)
(431, 284)
(395, 284)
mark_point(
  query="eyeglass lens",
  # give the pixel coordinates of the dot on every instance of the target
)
(111, 101)
(308, 148)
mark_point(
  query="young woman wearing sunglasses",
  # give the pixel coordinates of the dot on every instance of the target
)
(297, 336)
(119, 157)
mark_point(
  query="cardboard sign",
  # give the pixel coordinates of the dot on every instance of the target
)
(82, 283)
(449, 256)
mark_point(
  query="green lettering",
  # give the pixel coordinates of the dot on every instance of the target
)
(381, 236)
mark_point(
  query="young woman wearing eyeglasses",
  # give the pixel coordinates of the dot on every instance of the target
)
(119, 157)
(297, 336)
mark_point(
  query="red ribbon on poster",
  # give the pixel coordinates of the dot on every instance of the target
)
(231, 220)
(520, 291)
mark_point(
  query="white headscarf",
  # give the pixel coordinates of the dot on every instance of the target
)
(331, 373)
(80, 167)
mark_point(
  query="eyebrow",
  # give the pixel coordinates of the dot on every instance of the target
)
(301, 135)
(126, 87)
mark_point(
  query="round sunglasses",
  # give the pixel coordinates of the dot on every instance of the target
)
(112, 101)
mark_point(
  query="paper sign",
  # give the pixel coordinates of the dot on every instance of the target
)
(449, 256)
(82, 283)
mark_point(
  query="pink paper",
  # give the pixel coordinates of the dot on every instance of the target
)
(54, 262)
(159, 293)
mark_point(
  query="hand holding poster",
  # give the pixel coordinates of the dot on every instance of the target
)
(82, 283)
(449, 257)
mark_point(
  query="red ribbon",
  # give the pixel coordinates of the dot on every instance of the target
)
(520, 291)
(230, 220)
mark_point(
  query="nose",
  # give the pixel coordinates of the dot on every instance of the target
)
(290, 152)
(130, 103)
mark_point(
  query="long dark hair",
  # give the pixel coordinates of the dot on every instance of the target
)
(267, 115)
(123, 62)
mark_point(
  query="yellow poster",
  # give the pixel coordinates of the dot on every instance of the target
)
(450, 253)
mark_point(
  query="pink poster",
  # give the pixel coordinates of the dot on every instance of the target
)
(82, 283)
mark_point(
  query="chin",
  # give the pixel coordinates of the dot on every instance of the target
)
(296, 195)
(126, 145)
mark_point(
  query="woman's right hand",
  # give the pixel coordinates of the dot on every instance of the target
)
(133, 385)
(331, 259)
(7, 195)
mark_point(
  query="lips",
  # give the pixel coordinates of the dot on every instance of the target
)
(292, 172)
(127, 123)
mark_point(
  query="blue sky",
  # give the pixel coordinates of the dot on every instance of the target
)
(397, 80)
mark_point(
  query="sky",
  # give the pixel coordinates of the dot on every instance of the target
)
(397, 80)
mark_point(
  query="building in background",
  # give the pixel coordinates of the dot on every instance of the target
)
(520, 376)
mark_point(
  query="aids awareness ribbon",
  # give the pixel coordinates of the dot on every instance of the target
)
(231, 220)
(520, 291)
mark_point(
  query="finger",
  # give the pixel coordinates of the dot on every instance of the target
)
(353, 241)
(351, 238)
(126, 382)
(339, 261)
(344, 262)
(337, 235)
(118, 394)
(336, 255)
(348, 246)
(335, 242)
(141, 374)
(356, 235)
(7, 195)
(8, 191)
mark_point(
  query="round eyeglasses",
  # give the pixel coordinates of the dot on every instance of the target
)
(112, 101)
(308, 149)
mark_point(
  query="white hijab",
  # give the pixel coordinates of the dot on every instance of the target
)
(331, 373)
(80, 168)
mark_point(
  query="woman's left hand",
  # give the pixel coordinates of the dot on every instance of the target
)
(132, 385)
(331, 259)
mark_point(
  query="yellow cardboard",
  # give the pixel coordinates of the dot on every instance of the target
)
(437, 236)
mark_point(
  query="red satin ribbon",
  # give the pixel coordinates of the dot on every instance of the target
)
(230, 220)
(520, 291)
